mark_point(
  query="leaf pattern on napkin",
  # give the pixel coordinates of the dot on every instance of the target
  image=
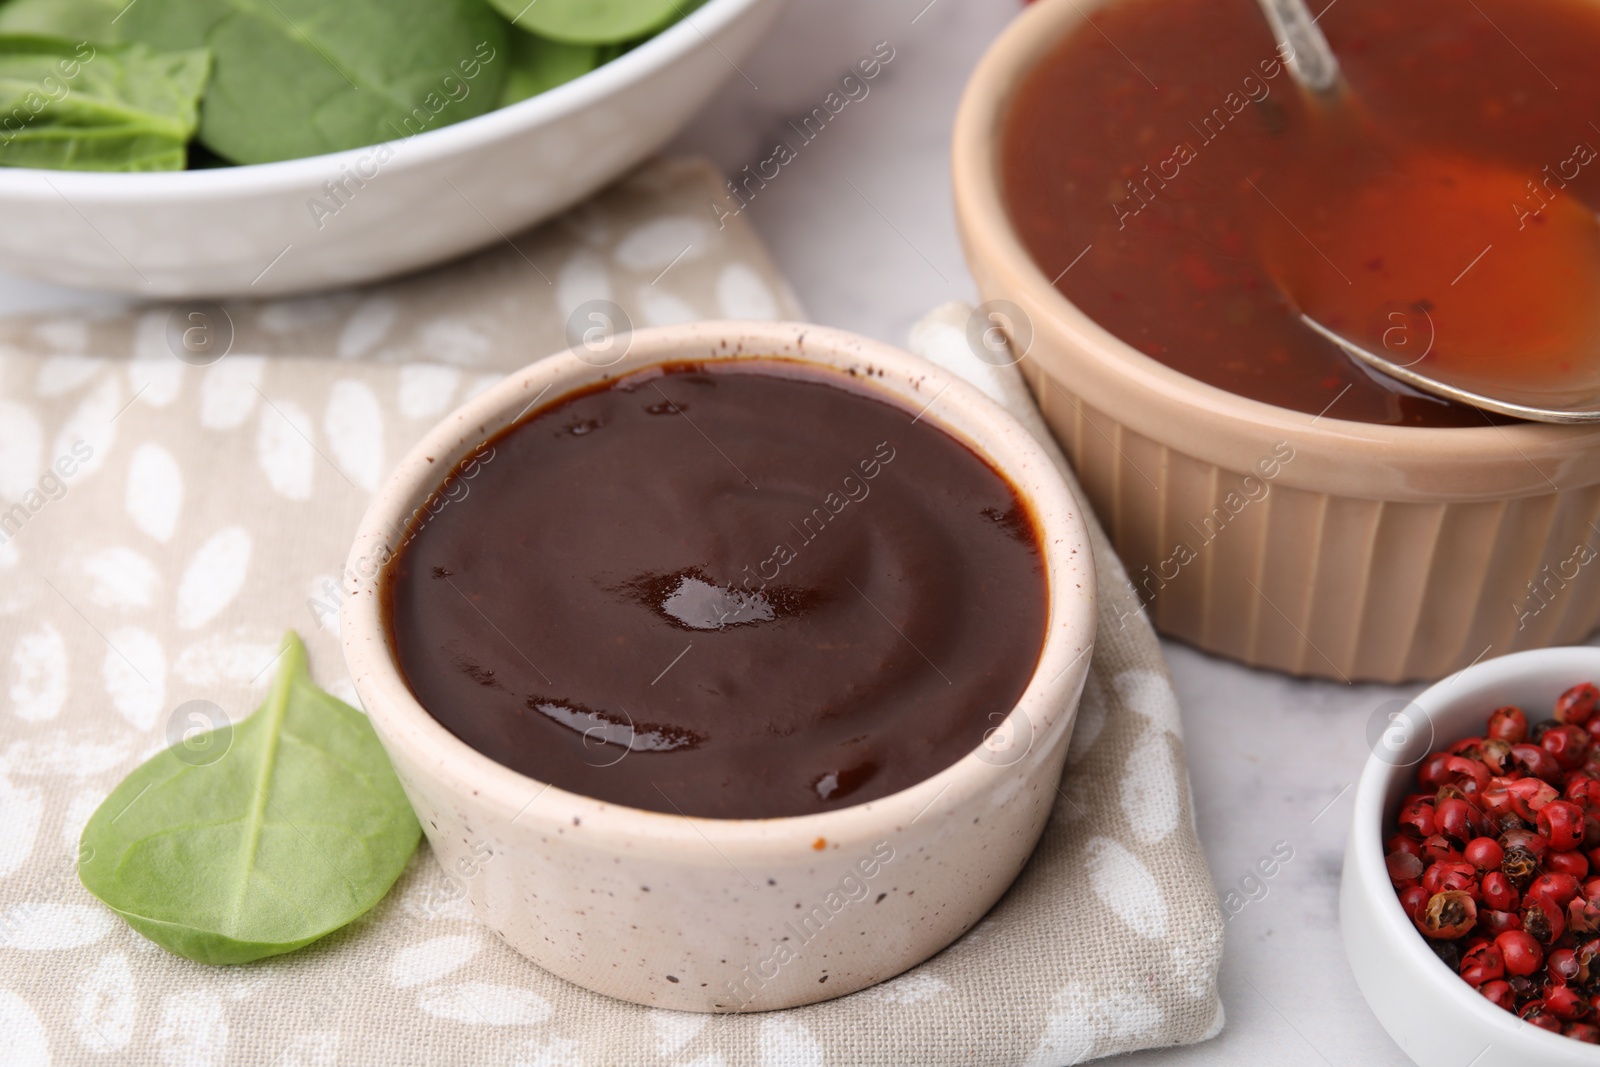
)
(216, 509)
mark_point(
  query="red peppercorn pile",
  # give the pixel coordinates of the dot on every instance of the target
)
(1492, 861)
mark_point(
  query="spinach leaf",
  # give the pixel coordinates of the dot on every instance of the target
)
(299, 827)
(537, 64)
(298, 78)
(592, 21)
(71, 105)
(77, 20)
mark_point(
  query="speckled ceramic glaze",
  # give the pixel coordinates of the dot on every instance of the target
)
(727, 914)
(1436, 1017)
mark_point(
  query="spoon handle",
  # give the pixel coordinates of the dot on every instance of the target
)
(1310, 60)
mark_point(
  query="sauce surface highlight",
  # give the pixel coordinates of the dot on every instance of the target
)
(744, 589)
(1450, 210)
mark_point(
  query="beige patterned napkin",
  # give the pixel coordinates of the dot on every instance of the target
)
(164, 522)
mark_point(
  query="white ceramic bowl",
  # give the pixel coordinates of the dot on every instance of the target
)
(238, 231)
(704, 914)
(1438, 1019)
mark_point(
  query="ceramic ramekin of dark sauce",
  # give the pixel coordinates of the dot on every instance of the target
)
(1365, 535)
(565, 660)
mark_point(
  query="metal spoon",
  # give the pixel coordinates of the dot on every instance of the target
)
(1579, 406)
(1314, 66)
(1311, 61)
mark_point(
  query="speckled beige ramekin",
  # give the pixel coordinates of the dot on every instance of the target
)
(724, 915)
(1378, 552)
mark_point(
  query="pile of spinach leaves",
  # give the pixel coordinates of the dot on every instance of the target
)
(131, 85)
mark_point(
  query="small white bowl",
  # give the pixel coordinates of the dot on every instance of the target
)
(714, 915)
(251, 230)
(1436, 1017)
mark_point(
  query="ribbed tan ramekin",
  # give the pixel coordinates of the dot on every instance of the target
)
(1379, 553)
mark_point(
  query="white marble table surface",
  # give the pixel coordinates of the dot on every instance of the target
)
(861, 222)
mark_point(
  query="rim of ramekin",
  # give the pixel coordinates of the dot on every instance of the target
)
(1460, 696)
(989, 234)
(1044, 710)
(23, 184)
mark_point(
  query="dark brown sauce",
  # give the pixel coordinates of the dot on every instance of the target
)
(745, 589)
(1456, 209)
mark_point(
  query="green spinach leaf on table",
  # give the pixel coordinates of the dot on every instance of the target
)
(295, 78)
(298, 828)
(72, 105)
